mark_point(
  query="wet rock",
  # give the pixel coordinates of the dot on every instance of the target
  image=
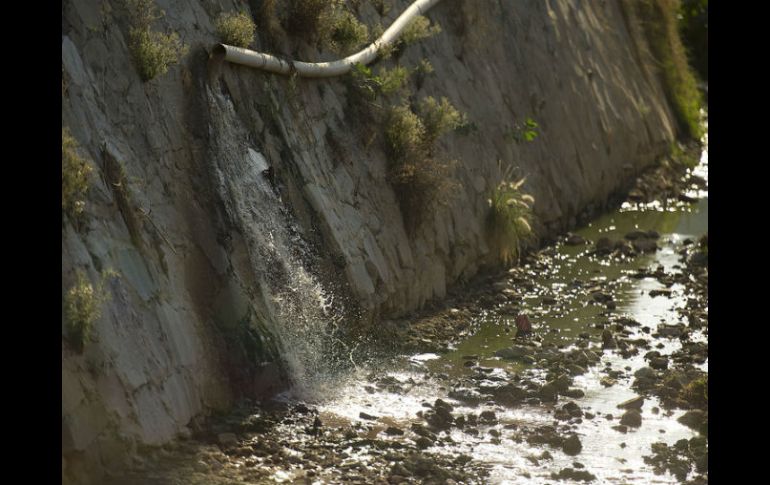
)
(662, 292)
(621, 428)
(572, 445)
(572, 474)
(572, 409)
(660, 363)
(422, 442)
(645, 245)
(646, 373)
(393, 431)
(608, 340)
(632, 417)
(633, 403)
(575, 240)
(604, 246)
(548, 393)
(634, 235)
(695, 419)
(227, 439)
(488, 416)
(601, 297)
(574, 393)
(367, 416)
(607, 381)
(515, 352)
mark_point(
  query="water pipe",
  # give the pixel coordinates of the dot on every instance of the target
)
(267, 62)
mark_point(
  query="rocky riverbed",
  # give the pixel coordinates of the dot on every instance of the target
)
(610, 387)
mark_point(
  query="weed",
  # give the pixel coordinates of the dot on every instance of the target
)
(75, 176)
(419, 29)
(81, 309)
(236, 29)
(438, 118)
(346, 32)
(153, 52)
(309, 18)
(526, 132)
(685, 156)
(509, 220)
(392, 80)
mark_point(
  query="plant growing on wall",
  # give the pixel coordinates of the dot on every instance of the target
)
(153, 52)
(235, 29)
(75, 177)
(81, 309)
(510, 217)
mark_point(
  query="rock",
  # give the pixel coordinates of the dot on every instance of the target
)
(572, 445)
(694, 419)
(575, 240)
(422, 442)
(574, 393)
(633, 403)
(645, 372)
(227, 439)
(632, 417)
(604, 246)
(662, 292)
(369, 417)
(645, 245)
(660, 363)
(634, 235)
(572, 474)
(608, 341)
(515, 352)
(393, 431)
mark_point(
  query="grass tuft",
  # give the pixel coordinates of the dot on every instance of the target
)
(153, 52)
(509, 220)
(346, 32)
(81, 309)
(75, 177)
(236, 29)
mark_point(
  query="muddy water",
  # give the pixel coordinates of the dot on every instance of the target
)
(556, 301)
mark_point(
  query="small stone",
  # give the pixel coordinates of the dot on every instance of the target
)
(633, 403)
(632, 417)
(364, 415)
(572, 445)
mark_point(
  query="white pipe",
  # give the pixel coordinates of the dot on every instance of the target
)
(267, 62)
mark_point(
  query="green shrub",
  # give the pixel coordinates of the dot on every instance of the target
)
(659, 19)
(236, 29)
(81, 309)
(418, 179)
(526, 132)
(75, 176)
(346, 32)
(438, 118)
(419, 29)
(308, 18)
(153, 52)
(392, 80)
(405, 134)
(509, 220)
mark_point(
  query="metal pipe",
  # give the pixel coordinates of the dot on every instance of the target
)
(267, 62)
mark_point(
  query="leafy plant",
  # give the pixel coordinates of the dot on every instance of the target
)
(309, 18)
(509, 220)
(525, 132)
(236, 29)
(153, 52)
(75, 177)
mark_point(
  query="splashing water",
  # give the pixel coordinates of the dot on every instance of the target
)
(298, 310)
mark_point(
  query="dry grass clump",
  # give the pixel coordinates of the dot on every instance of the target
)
(346, 32)
(81, 309)
(153, 52)
(509, 220)
(236, 29)
(75, 177)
